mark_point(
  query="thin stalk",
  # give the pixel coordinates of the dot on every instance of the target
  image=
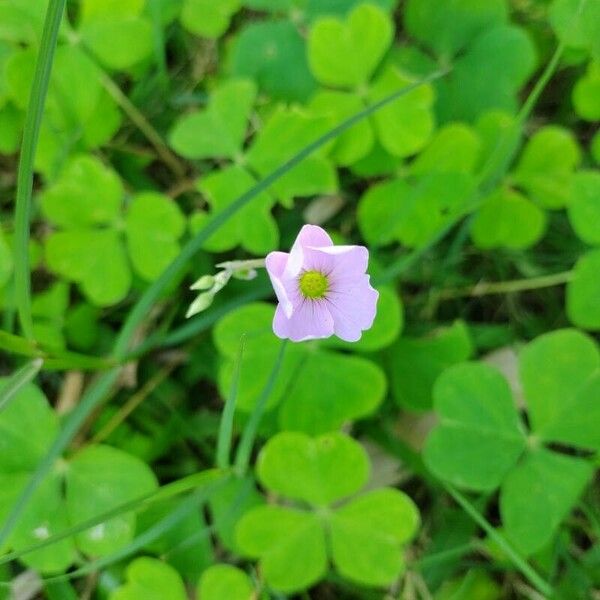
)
(242, 459)
(484, 288)
(17, 380)
(226, 424)
(140, 121)
(31, 134)
(534, 578)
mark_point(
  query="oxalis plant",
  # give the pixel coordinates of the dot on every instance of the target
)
(213, 386)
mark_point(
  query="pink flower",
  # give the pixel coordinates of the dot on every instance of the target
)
(322, 289)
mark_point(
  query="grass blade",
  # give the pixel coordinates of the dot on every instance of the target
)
(226, 424)
(535, 579)
(17, 380)
(33, 120)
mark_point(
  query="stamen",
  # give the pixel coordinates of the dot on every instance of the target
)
(313, 284)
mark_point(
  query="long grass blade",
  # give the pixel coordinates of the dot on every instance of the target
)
(17, 380)
(534, 578)
(33, 121)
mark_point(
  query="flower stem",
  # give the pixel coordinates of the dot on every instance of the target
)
(31, 134)
(242, 459)
(226, 424)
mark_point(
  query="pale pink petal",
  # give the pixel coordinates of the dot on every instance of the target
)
(353, 308)
(310, 320)
(342, 263)
(276, 263)
(309, 236)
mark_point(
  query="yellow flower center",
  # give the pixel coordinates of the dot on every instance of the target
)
(313, 284)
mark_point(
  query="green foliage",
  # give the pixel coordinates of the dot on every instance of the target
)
(586, 94)
(584, 206)
(415, 363)
(538, 485)
(225, 581)
(152, 579)
(85, 202)
(206, 18)
(290, 542)
(83, 486)
(353, 386)
(582, 292)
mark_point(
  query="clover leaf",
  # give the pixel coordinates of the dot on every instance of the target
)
(219, 130)
(253, 227)
(345, 54)
(586, 94)
(507, 219)
(577, 25)
(91, 482)
(584, 206)
(273, 53)
(412, 212)
(151, 579)
(363, 537)
(116, 31)
(480, 443)
(582, 292)
(449, 27)
(353, 386)
(86, 204)
(79, 113)
(546, 166)
(207, 18)
(225, 581)
(416, 363)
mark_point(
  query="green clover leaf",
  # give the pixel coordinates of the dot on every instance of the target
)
(583, 291)
(353, 386)
(586, 94)
(584, 206)
(346, 53)
(116, 31)
(225, 581)
(273, 53)
(417, 362)
(219, 130)
(253, 227)
(449, 27)
(577, 25)
(480, 443)
(479, 437)
(79, 488)
(151, 579)
(207, 18)
(546, 166)
(319, 471)
(507, 219)
(363, 537)
(412, 213)
(86, 203)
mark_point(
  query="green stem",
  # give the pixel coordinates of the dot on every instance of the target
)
(140, 121)
(226, 425)
(507, 287)
(534, 578)
(31, 134)
(17, 380)
(242, 459)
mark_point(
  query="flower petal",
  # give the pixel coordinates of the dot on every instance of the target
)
(353, 308)
(341, 262)
(310, 236)
(276, 263)
(310, 320)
